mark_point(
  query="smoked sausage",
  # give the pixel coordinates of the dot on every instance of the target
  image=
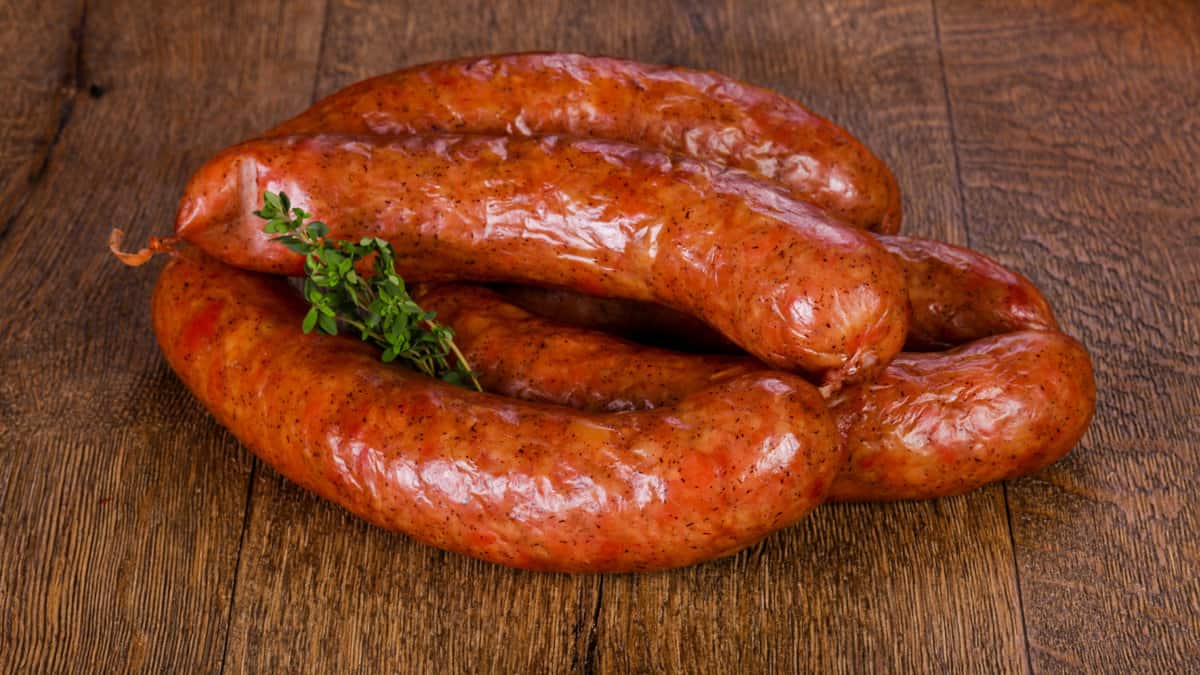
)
(930, 425)
(676, 110)
(523, 484)
(957, 295)
(774, 275)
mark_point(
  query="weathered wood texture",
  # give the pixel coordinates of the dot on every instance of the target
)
(121, 503)
(137, 535)
(1079, 142)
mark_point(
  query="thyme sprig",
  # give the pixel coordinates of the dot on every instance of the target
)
(378, 307)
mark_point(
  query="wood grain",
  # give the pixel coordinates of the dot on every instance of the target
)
(137, 535)
(839, 591)
(1079, 142)
(121, 502)
(41, 76)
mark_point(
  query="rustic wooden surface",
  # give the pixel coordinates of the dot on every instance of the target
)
(1061, 137)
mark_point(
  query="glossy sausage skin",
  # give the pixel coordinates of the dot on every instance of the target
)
(525, 356)
(944, 423)
(930, 425)
(774, 275)
(643, 322)
(522, 484)
(957, 295)
(696, 113)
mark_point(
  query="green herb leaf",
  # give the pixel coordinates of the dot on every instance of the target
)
(310, 320)
(378, 306)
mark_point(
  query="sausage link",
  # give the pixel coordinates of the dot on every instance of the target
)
(774, 275)
(930, 425)
(944, 423)
(643, 322)
(957, 295)
(525, 356)
(522, 484)
(698, 113)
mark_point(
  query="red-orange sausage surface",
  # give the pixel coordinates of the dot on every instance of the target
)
(956, 294)
(519, 354)
(522, 484)
(643, 322)
(773, 274)
(697, 113)
(930, 425)
(944, 423)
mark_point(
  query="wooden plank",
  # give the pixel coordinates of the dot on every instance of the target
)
(40, 82)
(121, 502)
(915, 586)
(1079, 145)
(321, 591)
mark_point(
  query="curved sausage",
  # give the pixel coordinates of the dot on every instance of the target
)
(522, 484)
(697, 113)
(944, 423)
(930, 425)
(526, 356)
(957, 295)
(643, 322)
(772, 274)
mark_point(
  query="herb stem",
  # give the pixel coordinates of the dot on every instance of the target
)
(378, 306)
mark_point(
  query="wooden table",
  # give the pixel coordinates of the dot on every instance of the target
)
(1060, 136)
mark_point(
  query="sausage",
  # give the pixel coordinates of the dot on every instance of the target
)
(774, 275)
(520, 354)
(957, 295)
(677, 110)
(523, 484)
(944, 423)
(643, 322)
(930, 425)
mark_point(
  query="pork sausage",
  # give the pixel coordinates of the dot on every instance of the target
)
(957, 295)
(944, 423)
(520, 354)
(774, 275)
(930, 425)
(698, 113)
(523, 484)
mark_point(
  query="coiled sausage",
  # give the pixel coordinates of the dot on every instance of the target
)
(697, 113)
(522, 484)
(930, 425)
(772, 274)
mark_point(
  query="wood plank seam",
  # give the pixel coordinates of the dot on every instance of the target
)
(237, 562)
(254, 461)
(312, 97)
(593, 642)
(958, 181)
(1012, 541)
(962, 206)
(74, 82)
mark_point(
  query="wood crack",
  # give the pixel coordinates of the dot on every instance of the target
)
(237, 563)
(966, 227)
(73, 81)
(593, 641)
(958, 179)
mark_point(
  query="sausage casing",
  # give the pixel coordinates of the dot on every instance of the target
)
(957, 295)
(774, 275)
(522, 484)
(697, 113)
(930, 425)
